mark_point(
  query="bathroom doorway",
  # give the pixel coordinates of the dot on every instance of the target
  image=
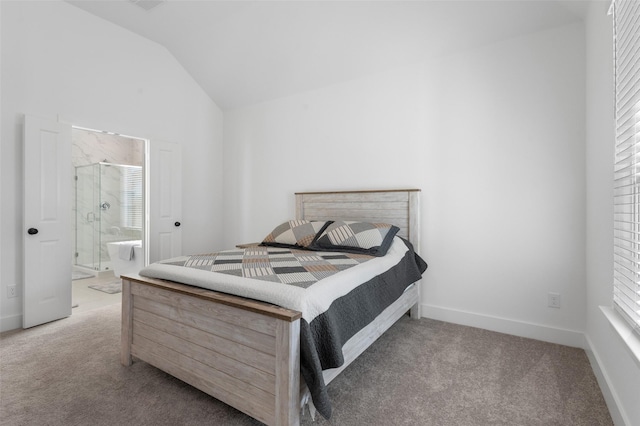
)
(108, 214)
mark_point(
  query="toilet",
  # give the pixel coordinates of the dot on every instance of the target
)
(126, 257)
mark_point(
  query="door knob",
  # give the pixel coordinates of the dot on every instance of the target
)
(177, 224)
(32, 231)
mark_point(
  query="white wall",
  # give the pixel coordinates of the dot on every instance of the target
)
(58, 60)
(618, 373)
(494, 137)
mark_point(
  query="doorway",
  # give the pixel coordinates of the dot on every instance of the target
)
(108, 214)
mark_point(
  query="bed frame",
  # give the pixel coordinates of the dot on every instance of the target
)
(247, 353)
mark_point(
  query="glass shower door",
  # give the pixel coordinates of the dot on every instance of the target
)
(87, 217)
(110, 227)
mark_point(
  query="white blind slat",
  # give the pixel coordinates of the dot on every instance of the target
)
(132, 197)
(626, 254)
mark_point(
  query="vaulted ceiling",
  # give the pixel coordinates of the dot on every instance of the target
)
(245, 52)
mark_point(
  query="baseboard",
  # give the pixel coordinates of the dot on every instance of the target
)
(608, 392)
(508, 326)
(10, 323)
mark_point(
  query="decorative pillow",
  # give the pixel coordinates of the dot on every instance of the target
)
(294, 233)
(356, 237)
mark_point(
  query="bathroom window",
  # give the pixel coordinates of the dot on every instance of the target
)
(132, 198)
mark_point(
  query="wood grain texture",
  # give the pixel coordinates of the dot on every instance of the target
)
(397, 207)
(127, 324)
(414, 220)
(227, 342)
(183, 303)
(414, 236)
(248, 305)
(200, 376)
(288, 373)
(225, 329)
(363, 191)
(227, 365)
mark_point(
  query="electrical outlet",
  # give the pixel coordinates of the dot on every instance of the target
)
(553, 300)
(11, 291)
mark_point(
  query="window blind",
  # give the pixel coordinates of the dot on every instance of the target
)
(626, 297)
(132, 198)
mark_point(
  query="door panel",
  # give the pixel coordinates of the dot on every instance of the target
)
(47, 221)
(165, 170)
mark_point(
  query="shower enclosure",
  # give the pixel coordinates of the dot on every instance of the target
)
(108, 208)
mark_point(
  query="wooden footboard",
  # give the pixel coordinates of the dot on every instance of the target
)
(242, 352)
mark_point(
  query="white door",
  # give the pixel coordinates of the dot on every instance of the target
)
(47, 221)
(165, 200)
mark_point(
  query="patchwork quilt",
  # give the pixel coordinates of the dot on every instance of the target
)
(300, 268)
(337, 293)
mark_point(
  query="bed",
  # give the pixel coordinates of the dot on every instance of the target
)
(244, 352)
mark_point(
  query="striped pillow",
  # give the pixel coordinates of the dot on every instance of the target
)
(294, 233)
(356, 237)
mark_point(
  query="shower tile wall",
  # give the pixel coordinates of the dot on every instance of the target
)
(91, 148)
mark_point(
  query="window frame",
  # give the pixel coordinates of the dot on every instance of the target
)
(626, 282)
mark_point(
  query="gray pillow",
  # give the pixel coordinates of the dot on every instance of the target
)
(293, 233)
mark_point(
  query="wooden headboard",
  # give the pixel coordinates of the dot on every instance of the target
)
(400, 207)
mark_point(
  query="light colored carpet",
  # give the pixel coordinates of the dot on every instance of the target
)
(419, 373)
